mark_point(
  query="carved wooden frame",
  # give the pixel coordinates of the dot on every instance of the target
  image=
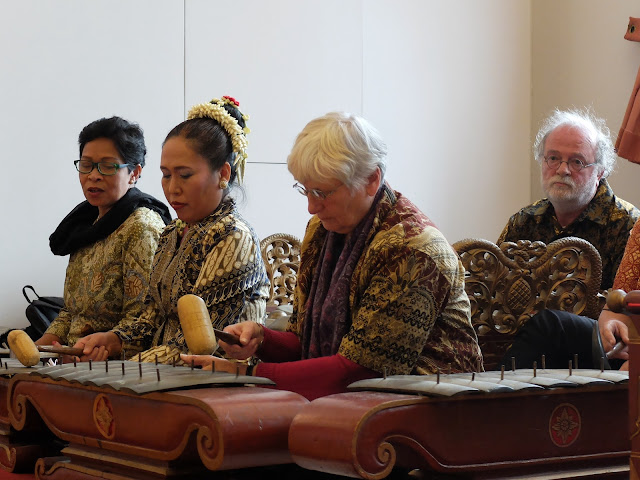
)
(510, 283)
(281, 256)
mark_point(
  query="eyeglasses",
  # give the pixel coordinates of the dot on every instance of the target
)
(105, 168)
(314, 192)
(574, 164)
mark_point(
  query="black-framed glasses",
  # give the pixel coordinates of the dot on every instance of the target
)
(314, 192)
(574, 164)
(105, 168)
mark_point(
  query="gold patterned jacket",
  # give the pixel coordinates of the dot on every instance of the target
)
(628, 275)
(107, 281)
(219, 260)
(409, 310)
(605, 223)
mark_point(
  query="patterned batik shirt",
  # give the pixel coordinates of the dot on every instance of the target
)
(409, 310)
(219, 260)
(107, 281)
(605, 223)
(628, 275)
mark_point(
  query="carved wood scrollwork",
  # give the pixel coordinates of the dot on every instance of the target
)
(506, 285)
(281, 255)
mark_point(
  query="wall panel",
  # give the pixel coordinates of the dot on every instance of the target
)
(64, 64)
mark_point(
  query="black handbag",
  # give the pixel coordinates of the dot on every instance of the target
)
(41, 311)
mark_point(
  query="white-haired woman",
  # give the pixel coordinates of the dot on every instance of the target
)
(379, 288)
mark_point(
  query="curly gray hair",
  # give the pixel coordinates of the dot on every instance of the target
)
(594, 128)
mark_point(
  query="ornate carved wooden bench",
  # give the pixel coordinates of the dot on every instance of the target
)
(281, 256)
(509, 283)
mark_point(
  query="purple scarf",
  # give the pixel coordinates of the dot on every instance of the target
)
(328, 316)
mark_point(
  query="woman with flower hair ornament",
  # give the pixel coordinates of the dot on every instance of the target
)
(202, 158)
(379, 288)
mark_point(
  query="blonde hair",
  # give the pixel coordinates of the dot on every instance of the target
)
(338, 146)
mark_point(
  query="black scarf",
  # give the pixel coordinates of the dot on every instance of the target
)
(79, 228)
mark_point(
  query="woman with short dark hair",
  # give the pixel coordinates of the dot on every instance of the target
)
(111, 237)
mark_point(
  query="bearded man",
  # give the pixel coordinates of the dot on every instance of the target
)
(576, 156)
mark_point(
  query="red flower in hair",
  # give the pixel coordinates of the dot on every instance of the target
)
(232, 100)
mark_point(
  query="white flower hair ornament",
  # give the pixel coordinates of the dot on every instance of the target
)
(216, 111)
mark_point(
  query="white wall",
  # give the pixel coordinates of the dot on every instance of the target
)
(447, 84)
(64, 64)
(580, 58)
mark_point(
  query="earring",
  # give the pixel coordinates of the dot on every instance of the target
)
(223, 183)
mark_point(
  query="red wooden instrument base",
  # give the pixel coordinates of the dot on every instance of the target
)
(176, 434)
(368, 434)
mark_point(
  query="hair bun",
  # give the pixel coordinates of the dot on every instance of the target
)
(216, 111)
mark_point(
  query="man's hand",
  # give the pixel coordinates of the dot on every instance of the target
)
(614, 327)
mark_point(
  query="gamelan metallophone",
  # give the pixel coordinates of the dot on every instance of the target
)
(141, 420)
(554, 423)
(19, 451)
(129, 420)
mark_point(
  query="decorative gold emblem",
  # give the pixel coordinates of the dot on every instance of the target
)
(564, 425)
(103, 416)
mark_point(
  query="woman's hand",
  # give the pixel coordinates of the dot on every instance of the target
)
(99, 346)
(207, 362)
(251, 335)
(48, 339)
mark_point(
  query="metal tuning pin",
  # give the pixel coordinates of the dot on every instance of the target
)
(535, 368)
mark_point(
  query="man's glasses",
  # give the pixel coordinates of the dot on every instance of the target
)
(105, 168)
(574, 164)
(314, 192)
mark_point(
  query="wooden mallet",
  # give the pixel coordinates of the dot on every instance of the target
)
(28, 353)
(196, 326)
